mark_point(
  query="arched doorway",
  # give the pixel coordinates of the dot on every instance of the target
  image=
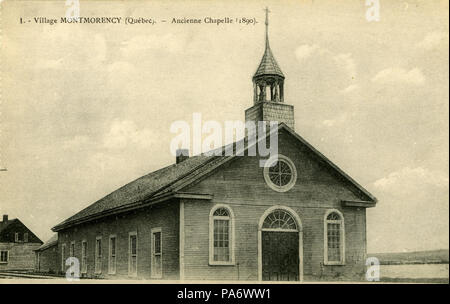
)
(280, 245)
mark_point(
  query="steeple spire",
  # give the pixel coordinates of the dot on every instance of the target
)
(268, 79)
(268, 89)
(267, 26)
(268, 65)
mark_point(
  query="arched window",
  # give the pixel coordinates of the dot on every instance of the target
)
(334, 238)
(279, 220)
(221, 235)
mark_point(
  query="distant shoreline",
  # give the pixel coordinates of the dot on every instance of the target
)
(440, 256)
(412, 262)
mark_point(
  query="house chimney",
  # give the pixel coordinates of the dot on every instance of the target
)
(5, 218)
(182, 154)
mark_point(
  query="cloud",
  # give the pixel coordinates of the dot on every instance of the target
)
(49, 64)
(64, 58)
(399, 75)
(343, 60)
(77, 142)
(341, 118)
(121, 75)
(104, 161)
(125, 133)
(304, 51)
(411, 177)
(336, 70)
(168, 43)
(349, 89)
(413, 204)
(347, 62)
(433, 40)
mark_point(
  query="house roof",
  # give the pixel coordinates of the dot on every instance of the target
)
(173, 178)
(51, 242)
(4, 224)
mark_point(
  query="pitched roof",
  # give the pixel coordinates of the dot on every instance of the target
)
(141, 189)
(175, 177)
(51, 242)
(14, 222)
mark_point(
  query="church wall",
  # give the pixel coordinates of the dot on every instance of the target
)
(164, 215)
(240, 184)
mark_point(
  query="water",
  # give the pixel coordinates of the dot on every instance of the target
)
(415, 271)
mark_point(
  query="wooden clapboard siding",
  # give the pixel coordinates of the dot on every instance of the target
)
(241, 185)
(164, 215)
(47, 260)
(196, 252)
(21, 256)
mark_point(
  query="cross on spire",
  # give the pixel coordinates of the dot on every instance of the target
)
(267, 15)
(267, 25)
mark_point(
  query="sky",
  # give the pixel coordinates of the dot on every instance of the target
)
(87, 108)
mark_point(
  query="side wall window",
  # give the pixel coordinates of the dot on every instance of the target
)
(112, 254)
(334, 238)
(132, 253)
(63, 257)
(84, 256)
(72, 249)
(98, 254)
(4, 256)
(156, 262)
(221, 235)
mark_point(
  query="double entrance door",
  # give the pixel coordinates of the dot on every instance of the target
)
(280, 256)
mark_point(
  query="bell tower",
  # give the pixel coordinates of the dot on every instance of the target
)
(268, 90)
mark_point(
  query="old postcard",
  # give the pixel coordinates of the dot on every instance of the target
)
(224, 142)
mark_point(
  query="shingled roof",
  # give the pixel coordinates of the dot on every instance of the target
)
(51, 242)
(173, 178)
(141, 189)
(268, 65)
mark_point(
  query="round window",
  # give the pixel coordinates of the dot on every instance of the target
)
(280, 173)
